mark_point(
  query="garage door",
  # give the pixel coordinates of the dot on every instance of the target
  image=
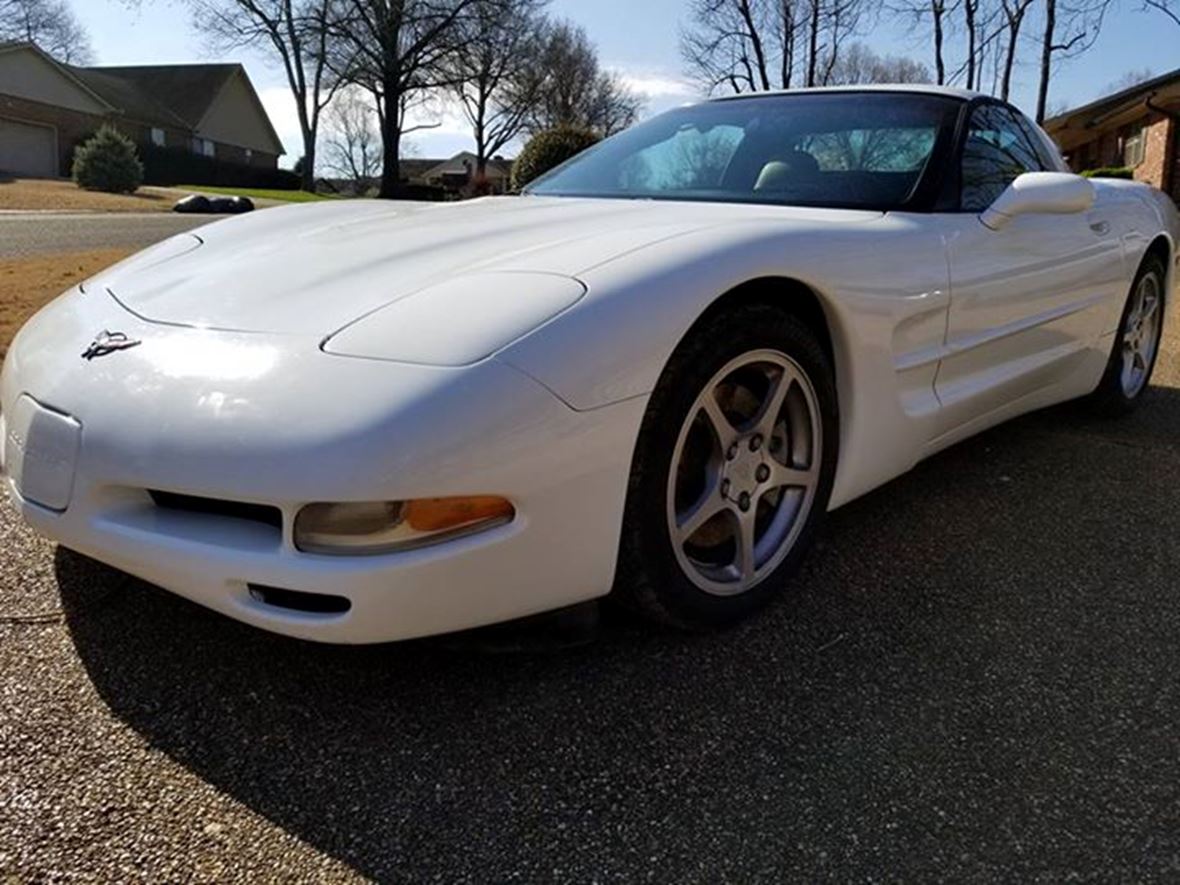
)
(26, 149)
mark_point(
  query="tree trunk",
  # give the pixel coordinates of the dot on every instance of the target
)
(391, 141)
(787, 59)
(307, 173)
(969, 11)
(813, 43)
(1009, 59)
(481, 155)
(937, 9)
(756, 42)
(1046, 58)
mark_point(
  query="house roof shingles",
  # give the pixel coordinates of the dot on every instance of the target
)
(125, 95)
(184, 92)
(176, 96)
(1103, 106)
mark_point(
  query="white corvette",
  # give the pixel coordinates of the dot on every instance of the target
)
(652, 373)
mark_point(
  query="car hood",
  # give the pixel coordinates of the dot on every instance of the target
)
(314, 268)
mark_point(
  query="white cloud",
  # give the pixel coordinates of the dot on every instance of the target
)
(280, 107)
(655, 85)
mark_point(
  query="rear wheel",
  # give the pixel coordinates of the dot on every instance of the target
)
(1137, 342)
(732, 471)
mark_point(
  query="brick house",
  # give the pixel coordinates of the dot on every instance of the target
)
(1135, 128)
(47, 107)
(457, 174)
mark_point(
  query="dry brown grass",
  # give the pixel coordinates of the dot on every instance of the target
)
(65, 196)
(28, 283)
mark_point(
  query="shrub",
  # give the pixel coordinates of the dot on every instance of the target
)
(1111, 172)
(549, 149)
(108, 162)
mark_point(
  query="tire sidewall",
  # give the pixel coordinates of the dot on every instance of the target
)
(1112, 383)
(695, 363)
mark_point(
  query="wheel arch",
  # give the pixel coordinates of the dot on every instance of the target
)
(1162, 247)
(800, 299)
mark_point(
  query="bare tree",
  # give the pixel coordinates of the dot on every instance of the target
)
(1014, 13)
(1070, 29)
(50, 24)
(1130, 79)
(755, 45)
(1167, 7)
(971, 25)
(398, 50)
(784, 38)
(297, 33)
(935, 14)
(726, 46)
(352, 144)
(860, 64)
(840, 20)
(497, 79)
(575, 90)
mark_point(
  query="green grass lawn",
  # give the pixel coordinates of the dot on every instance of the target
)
(257, 193)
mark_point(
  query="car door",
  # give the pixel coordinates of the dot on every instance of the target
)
(1028, 301)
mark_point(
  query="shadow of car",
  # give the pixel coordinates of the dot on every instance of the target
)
(977, 657)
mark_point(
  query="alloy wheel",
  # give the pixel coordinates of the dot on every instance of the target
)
(1141, 335)
(745, 472)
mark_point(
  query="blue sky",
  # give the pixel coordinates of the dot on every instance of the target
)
(638, 38)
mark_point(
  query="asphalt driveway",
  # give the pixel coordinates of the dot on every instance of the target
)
(36, 233)
(974, 678)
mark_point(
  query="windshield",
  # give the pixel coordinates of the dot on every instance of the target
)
(844, 149)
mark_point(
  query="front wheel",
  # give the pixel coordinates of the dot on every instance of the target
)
(732, 471)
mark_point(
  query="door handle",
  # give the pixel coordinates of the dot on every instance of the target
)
(1102, 228)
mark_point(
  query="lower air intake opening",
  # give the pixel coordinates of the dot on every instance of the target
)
(297, 600)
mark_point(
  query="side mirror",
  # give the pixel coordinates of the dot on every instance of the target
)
(1055, 193)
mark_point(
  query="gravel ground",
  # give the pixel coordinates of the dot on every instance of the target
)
(975, 678)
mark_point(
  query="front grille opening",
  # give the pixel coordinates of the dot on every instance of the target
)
(297, 600)
(260, 513)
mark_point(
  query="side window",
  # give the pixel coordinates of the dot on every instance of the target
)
(1050, 157)
(997, 151)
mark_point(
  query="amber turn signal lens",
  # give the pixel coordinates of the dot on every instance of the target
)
(440, 514)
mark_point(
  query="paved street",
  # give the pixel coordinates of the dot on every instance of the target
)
(974, 678)
(24, 234)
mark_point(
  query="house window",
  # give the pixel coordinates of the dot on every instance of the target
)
(158, 137)
(1133, 145)
(204, 147)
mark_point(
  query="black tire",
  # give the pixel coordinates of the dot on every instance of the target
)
(651, 580)
(1110, 399)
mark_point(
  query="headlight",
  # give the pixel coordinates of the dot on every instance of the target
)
(362, 529)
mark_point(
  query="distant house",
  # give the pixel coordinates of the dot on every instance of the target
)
(1135, 128)
(457, 175)
(47, 107)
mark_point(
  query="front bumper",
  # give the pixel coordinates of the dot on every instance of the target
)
(279, 423)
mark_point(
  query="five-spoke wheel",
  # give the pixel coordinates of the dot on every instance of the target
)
(745, 471)
(733, 468)
(1137, 343)
(1141, 334)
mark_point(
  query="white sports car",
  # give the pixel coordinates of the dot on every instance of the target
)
(652, 373)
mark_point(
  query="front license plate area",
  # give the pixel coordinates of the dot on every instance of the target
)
(41, 453)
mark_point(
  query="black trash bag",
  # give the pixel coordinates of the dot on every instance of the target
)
(230, 205)
(193, 204)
